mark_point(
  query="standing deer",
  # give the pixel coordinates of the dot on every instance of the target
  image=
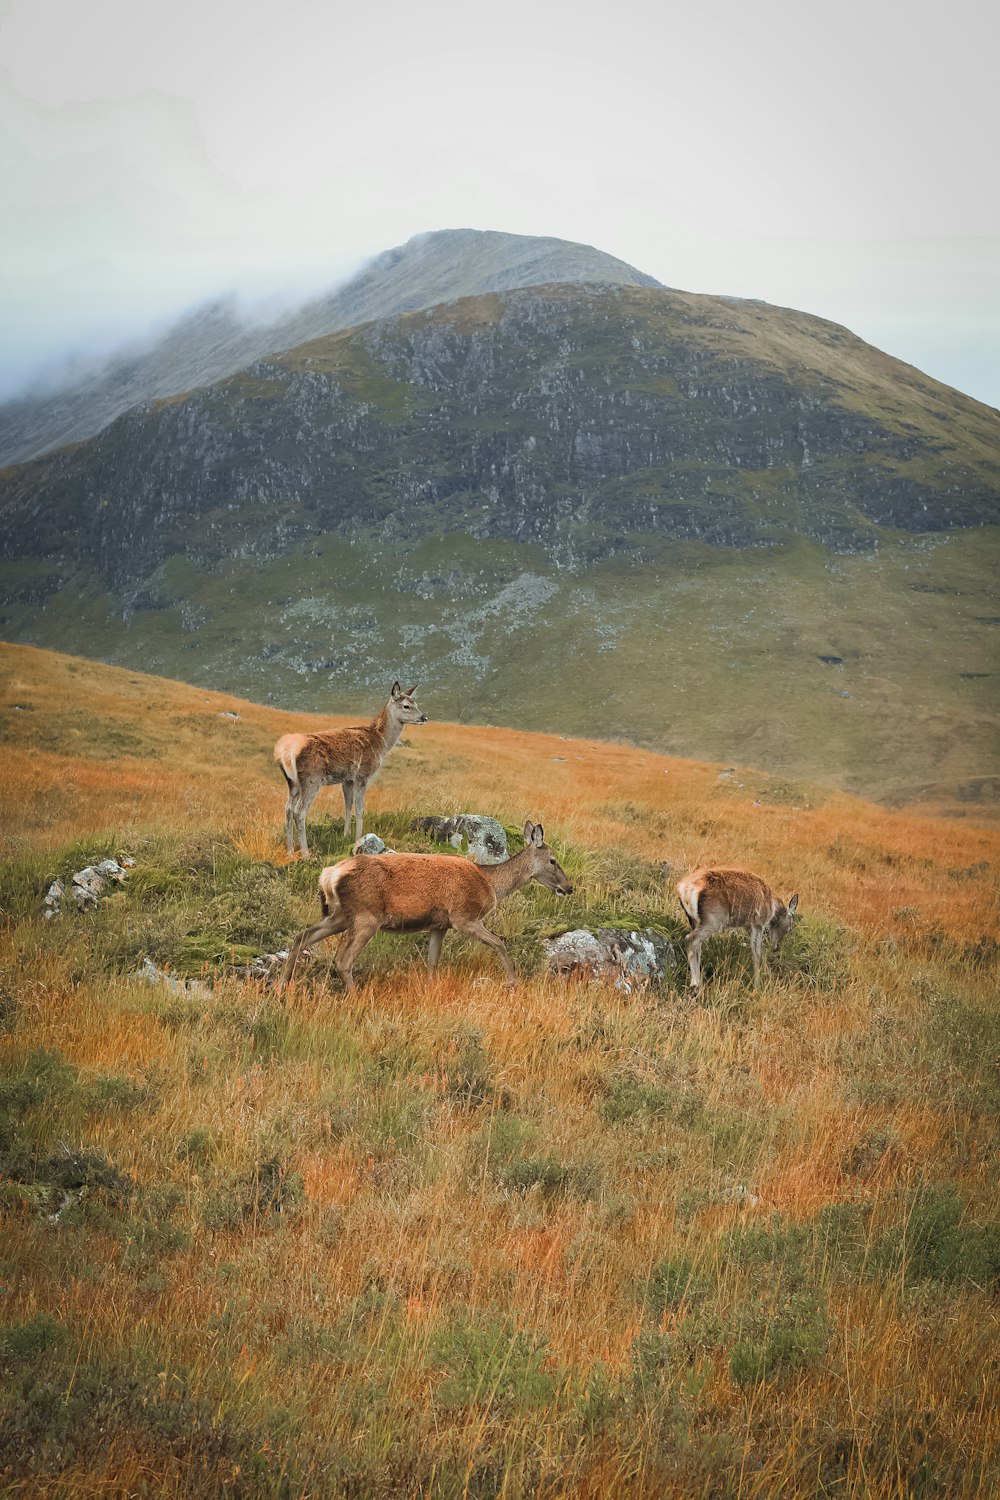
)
(714, 900)
(348, 757)
(413, 892)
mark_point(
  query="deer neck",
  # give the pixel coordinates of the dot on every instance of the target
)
(386, 729)
(510, 875)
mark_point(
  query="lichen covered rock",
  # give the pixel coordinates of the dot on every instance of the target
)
(621, 956)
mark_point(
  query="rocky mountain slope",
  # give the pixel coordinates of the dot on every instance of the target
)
(216, 340)
(718, 527)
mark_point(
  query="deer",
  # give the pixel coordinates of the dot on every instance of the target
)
(715, 900)
(414, 892)
(350, 758)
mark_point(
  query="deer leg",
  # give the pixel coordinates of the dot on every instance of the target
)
(483, 933)
(329, 927)
(756, 949)
(359, 936)
(306, 798)
(434, 947)
(290, 820)
(360, 787)
(348, 790)
(693, 943)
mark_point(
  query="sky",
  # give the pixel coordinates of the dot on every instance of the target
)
(842, 160)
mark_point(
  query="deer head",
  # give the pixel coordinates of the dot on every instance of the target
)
(783, 921)
(404, 706)
(544, 866)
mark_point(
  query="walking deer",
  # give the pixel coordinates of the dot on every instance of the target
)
(714, 900)
(414, 892)
(350, 758)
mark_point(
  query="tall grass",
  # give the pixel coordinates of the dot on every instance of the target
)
(437, 1238)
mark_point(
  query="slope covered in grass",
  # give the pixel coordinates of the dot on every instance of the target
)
(442, 1239)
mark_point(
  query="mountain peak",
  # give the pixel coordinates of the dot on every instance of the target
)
(211, 342)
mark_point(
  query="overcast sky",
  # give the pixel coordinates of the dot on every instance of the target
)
(840, 159)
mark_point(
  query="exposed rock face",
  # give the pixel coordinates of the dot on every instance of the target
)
(582, 421)
(617, 955)
(485, 839)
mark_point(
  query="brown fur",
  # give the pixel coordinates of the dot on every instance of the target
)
(717, 899)
(414, 892)
(349, 758)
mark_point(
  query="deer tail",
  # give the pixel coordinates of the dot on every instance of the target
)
(689, 891)
(328, 899)
(286, 753)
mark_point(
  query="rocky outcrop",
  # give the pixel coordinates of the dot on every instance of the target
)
(621, 956)
(481, 837)
(88, 886)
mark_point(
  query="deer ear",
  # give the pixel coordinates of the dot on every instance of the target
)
(538, 835)
(529, 829)
(413, 689)
(397, 691)
(793, 903)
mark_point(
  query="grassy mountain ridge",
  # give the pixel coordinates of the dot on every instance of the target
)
(525, 492)
(442, 1238)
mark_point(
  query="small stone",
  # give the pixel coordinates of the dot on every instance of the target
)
(370, 844)
(739, 1194)
(53, 899)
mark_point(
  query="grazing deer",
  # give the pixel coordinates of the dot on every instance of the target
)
(348, 757)
(714, 900)
(413, 892)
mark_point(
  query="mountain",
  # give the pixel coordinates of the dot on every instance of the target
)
(216, 340)
(711, 526)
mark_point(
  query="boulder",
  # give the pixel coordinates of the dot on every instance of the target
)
(53, 898)
(484, 838)
(621, 956)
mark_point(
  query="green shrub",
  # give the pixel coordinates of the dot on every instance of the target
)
(676, 1281)
(933, 1244)
(489, 1362)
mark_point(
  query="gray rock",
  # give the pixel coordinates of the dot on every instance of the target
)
(261, 967)
(370, 844)
(620, 956)
(485, 839)
(739, 1194)
(88, 887)
(53, 898)
(153, 974)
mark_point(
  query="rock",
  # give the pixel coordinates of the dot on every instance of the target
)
(739, 1194)
(260, 967)
(227, 714)
(53, 898)
(619, 955)
(153, 974)
(88, 887)
(370, 844)
(484, 837)
(112, 870)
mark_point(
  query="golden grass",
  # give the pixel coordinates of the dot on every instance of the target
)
(364, 1340)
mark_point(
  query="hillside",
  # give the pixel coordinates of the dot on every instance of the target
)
(439, 1238)
(726, 529)
(215, 341)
